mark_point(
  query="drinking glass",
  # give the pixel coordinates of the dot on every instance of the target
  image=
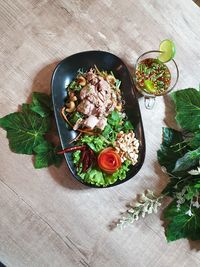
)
(149, 98)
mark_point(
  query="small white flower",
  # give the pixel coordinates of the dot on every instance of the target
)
(196, 204)
(147, 204)
(195, 172)
(189, 212)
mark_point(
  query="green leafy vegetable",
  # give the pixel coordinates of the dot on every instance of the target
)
(114, 118)
(75, 116)
(96, 143)
(93, 176)
(96, 177)
(74, 86)
(24, 131)
(115, 125)
(127, 126)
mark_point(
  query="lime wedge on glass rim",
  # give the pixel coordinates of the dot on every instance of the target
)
(168, 49)
(149, 86)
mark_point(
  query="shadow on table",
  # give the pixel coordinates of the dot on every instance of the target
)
(61, 175)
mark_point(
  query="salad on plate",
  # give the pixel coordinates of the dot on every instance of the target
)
(105, 146)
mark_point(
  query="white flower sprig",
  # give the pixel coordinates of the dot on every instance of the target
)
(195, 172)
(147, 203)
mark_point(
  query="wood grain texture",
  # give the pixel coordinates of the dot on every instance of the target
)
(46, 217)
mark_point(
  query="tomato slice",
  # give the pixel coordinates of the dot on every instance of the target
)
(109, 161)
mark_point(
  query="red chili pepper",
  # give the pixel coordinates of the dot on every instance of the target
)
(70, 149)
(81, 158)
(85, 163)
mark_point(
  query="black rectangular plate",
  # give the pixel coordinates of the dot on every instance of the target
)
(66, 71)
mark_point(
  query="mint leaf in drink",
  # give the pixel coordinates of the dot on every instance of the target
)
(24, 131)
(187, 102)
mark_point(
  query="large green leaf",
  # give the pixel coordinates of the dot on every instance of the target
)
(180, 224)
(190, 159)
(171, 149)
(195, 141)
(41, 104)
(24, 130)
(187, 102)
(46, 155)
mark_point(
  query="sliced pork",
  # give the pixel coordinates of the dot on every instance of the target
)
(91, 121)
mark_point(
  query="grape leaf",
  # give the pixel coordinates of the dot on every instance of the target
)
(24, 130)
(41, 104)
(187, 102)
(180, 224)
(190, 159)
(46, 155)
(195, 141)
(170, 150)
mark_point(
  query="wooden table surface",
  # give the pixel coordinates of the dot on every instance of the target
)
(47, 218)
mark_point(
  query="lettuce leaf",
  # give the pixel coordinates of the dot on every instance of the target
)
(97, 177)
(96, 143)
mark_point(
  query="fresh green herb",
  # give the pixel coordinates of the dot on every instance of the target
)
(74, 86)
(117, 83)
(80, 71)
(26, 130)
(96, 143)
(75, 116)
(127, 126)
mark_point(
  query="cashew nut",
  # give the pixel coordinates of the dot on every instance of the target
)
(70, 106)
(119, 107)
(110, 79)
(74, 98)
